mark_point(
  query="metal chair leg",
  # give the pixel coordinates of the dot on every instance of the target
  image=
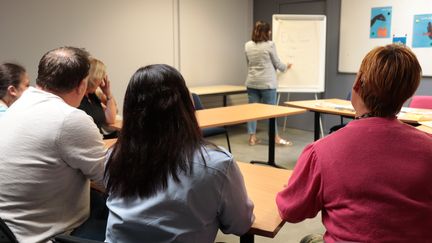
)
(227, 137)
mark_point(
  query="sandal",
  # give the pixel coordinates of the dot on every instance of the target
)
(284, 142)
(253, 142)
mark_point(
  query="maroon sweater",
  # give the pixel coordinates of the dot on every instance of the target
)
(372, 180)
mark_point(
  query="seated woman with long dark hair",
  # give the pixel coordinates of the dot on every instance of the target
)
(14, 81)
(165, 182)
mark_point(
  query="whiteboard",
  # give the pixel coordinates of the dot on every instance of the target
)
(355, 25)
(301, 40)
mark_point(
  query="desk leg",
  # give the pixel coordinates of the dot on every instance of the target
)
(271, 137)
(247, 238)
(271, 147)
(317, 126)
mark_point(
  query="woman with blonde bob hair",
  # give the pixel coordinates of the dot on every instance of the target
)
(371, 179)
(99, 103)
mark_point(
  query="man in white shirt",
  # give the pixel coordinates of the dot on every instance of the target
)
(49, 151)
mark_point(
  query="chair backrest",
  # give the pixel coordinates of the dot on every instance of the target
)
(342, 123)
(197, 102)
(421, 101)
(348, 96)
(6, 235)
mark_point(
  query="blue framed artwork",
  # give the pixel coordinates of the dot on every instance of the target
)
(380, 22)
(400, 40)
(422, 31)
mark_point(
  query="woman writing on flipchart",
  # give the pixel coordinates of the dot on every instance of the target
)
(261, 82)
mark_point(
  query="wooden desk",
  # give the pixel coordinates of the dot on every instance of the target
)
(425, 129)
(109, 142)
(262, 184)
(314, 106)
(344, 108)
(236, 114)
(230, 115)
(224, 90)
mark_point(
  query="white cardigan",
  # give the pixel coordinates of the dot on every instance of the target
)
(263, 62)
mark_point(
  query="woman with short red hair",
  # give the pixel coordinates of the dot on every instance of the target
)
(371, 179)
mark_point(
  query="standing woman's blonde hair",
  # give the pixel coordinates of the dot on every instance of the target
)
(261, 32)
(97, 72)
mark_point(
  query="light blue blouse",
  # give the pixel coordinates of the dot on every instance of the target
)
(213, 197)
(3, 109)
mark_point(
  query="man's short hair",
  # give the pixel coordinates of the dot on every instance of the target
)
(62, 69)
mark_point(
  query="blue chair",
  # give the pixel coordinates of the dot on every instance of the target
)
(342, 122)
(208, 132)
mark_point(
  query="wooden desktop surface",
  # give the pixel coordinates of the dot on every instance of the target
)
(314, 105)
(262, 184)
(236, 114)
(425, 128)
(218, 89)
(109, 142)
(322, 106)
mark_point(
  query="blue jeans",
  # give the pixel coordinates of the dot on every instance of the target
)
(266, 96)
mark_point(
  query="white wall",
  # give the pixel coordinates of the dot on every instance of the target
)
(355, 30)
(204, 38)
(212, 37)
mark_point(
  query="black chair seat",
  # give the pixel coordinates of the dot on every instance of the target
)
(207, 132)
(342, 123)
(73, 239)
(6, 235)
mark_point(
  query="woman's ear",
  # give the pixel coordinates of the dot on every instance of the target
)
(358, 83)
(357, 86)
(12, 91)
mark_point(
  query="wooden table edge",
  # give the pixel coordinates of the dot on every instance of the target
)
(322, 110)
(265, 233)
(295, 112)
(223, 93)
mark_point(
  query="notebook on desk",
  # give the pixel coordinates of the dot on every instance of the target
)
(415, 114)
(426, 123)
(327, 104)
